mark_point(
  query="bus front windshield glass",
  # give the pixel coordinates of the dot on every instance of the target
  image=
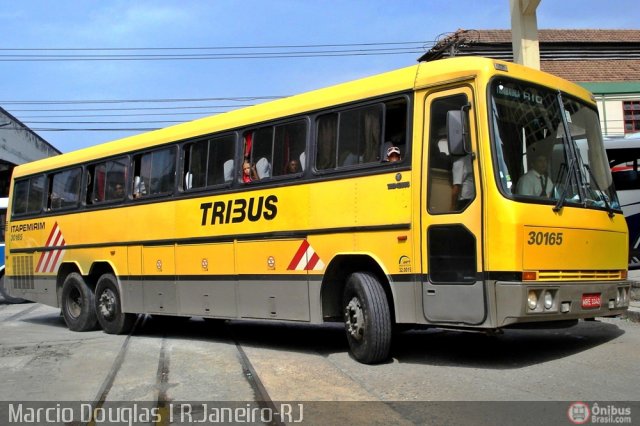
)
(548, 147)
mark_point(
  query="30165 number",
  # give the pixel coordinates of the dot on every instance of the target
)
(545, 238)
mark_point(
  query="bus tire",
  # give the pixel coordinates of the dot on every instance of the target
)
(109, 307)
(367, 318)
(77, 303)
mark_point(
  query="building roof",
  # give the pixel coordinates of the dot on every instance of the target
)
(583, 55)
(594, 70)
(564, 36)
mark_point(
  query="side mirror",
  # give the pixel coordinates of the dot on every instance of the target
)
(457, 132)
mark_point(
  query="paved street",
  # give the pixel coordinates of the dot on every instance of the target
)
(165, 361)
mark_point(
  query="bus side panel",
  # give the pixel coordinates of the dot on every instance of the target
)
(269, 284)
(132, 292)
(206, 281)
(159, 286)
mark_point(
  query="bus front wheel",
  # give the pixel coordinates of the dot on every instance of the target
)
(77, 303)
(367, 318)
(109, 309)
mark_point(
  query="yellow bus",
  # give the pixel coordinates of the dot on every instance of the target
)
(463, 193)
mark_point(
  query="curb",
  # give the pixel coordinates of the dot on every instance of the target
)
(634, 294)
(633, 314)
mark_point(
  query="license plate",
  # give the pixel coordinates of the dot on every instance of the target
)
(590, 301)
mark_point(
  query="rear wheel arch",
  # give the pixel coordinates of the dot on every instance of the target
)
(99, 269)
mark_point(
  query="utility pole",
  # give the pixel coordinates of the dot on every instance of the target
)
(524, 32)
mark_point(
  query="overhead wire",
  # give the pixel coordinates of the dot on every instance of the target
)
(205, 53)
(39, 54)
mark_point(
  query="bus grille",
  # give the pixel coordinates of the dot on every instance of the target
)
(23, 272)
(579, 275)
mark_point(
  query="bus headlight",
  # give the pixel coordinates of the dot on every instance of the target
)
(548, 300)
(532, 300)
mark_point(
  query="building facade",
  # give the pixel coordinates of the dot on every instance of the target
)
(18, 144)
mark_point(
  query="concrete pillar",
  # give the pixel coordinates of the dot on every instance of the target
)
(524, 32)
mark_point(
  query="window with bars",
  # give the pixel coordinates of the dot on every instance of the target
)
(631, 112)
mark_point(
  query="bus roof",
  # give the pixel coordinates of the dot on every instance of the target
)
(421, 75)
(623, 142)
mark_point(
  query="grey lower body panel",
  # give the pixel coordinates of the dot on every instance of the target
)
(222, 298)
(35, 288)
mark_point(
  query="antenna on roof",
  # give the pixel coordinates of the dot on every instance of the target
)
(447, 44)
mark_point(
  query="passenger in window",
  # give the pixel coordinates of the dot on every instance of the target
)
(248, 173)
(393, 154)
(293, 167)
(535, 182)
(118, 191)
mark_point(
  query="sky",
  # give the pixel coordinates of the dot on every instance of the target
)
(224, 54)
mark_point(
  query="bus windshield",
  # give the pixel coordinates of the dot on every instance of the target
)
(548, 147)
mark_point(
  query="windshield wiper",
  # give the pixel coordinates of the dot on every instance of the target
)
(565, 185)
(602, 195)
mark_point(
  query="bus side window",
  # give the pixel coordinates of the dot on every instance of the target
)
(116, 176)
(208, 162)
(327, 141)
(195, 165)
(154, 172)
(220, 160)
(360, 134)
(20, 197)
(289, 146)
(64, 189)
(139, 186)
(262, 152)
(395, 128)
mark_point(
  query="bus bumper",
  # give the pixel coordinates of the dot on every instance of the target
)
(530, 302)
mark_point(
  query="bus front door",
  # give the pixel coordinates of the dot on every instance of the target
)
(452, 285)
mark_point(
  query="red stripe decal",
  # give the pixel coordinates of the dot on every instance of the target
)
(301, 251)
(312, 262)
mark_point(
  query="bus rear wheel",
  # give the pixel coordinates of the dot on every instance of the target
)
(109, 309)
(77, 303)
(367, 318)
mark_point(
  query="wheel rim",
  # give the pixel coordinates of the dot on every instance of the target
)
(354, 319)
(74, 303)
(107, 304)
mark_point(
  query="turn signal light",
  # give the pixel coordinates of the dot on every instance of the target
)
(529, 276)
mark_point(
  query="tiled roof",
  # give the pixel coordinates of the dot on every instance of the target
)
(594, 70)
(578, 55)
(561, 36)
